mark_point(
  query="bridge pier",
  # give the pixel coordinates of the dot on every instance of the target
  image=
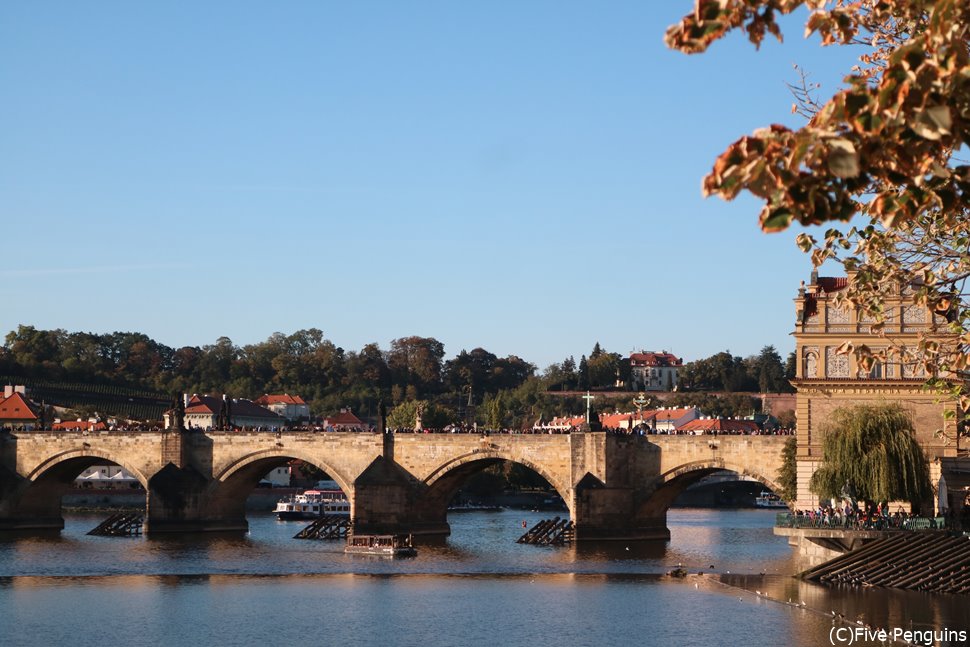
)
(183, 500)
(387, 499)
(32, 505)
(610, 514)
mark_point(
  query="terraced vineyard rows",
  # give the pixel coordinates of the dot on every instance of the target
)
(107, 399)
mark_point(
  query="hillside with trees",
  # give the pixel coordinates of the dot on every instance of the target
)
(762, 373)
(130, 374)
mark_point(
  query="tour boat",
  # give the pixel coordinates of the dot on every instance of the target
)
(474, 507)
(313, 504)
(381, 545)
(769, 500)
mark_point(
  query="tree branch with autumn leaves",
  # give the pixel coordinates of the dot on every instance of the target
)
(883, 150)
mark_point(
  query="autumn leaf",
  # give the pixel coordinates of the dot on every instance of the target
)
(843, 160)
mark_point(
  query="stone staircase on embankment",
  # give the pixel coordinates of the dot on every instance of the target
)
(924, 561)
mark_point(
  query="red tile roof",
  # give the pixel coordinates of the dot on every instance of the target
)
(344, 418)
(202, 405)
(72, 425)
(826, 285)
(615, 420)
(654, 359)
(719, 424)
(671, 414)
(208, 404)
(833, 283)
(16, 407)
(286, 398)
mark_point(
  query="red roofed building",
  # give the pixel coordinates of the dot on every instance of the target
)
(650, 371)
(559, 424)
(703, 426)
(203, 412)
(79, 425)
(291, 407)
(16, 411)
(344, 421)
(617, 420)
(666, 421)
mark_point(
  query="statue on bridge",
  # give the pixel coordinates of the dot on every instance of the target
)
(224, 418)
(848, 493)
(381, 417)
(178, 413)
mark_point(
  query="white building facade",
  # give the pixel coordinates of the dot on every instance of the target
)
(650, 371)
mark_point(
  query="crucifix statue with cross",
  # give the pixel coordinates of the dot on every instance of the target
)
(589, 399)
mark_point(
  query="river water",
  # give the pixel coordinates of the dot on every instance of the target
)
(479, 586)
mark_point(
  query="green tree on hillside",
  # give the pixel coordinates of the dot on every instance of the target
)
(417, 362)
(719, 372)
(768, 371)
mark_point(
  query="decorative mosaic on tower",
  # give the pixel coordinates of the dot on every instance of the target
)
(837, 315)
(835, 365)
(914, 314)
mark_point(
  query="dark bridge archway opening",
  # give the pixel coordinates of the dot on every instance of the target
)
(673, 488)
(83, 481)
(256, 484)
(491, 484)
(725, 489)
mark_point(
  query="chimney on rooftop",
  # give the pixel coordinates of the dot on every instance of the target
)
(7, 390)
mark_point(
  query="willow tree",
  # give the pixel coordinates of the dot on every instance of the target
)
(873, 450)
(887, 149)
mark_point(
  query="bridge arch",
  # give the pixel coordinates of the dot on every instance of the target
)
(250, 468)
(664, 489)
(447, 478)
(221, 501)
(65, 466)
(35, 499)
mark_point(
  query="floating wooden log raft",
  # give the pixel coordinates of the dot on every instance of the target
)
(932, 561)
(549, 532)
(123, 524)
(326, 527)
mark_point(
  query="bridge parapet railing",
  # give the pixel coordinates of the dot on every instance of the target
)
(892, 522)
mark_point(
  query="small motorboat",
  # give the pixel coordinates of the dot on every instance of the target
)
(381, 545)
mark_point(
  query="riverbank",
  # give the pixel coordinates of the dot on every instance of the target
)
(264, 499)
(261, 499)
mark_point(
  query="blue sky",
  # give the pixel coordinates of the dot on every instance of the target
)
(521, 176)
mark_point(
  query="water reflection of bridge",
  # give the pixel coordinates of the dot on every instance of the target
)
(615, 486)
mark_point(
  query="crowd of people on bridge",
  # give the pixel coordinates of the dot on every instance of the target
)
(647, 431)
(451, 429)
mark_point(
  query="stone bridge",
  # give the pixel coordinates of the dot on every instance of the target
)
(615, 486)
